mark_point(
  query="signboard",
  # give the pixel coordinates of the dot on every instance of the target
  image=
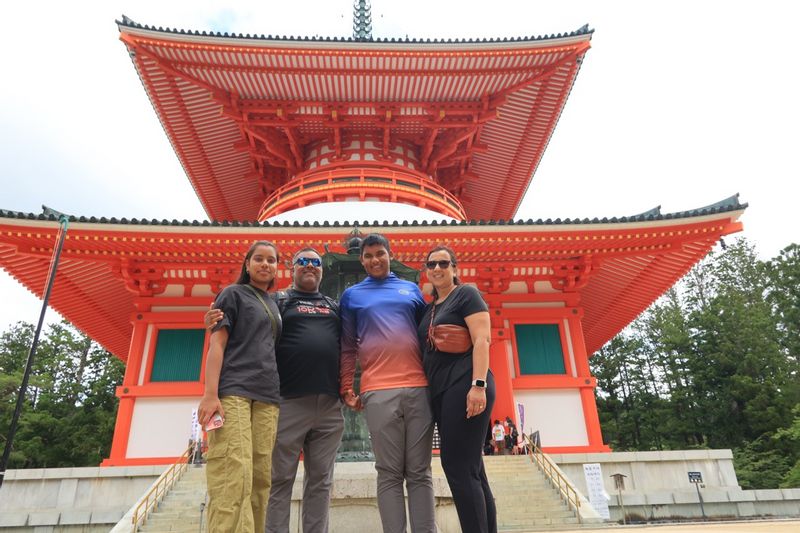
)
(596, 492)
(695, 477)
(195, 431)
(521, 409)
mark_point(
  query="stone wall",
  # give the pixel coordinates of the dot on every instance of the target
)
(72, 498)
(657, 485)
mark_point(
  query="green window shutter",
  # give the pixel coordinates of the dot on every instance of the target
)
(539, 349)
(179, 355)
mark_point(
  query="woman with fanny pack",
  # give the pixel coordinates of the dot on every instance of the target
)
(242, 393)
(455, 333)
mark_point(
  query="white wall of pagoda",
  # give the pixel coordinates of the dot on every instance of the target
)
(160, 427)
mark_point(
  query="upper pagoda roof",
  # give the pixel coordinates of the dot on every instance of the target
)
(485, 109)
(619, 265)
(129, 23)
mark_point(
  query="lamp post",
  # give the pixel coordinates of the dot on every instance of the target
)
(63, 224)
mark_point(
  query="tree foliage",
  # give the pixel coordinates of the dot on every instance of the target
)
(713, 364)
(70, 406)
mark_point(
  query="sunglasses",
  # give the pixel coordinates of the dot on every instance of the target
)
(442, 263)
(305, 261)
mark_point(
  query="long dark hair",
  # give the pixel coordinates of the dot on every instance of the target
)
(453, 261)
(244, 277)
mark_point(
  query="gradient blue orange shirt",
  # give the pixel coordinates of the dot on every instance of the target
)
(379, 328)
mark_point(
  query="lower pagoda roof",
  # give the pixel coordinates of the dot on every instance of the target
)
(617, 266)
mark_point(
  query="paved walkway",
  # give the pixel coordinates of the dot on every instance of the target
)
(755, 526)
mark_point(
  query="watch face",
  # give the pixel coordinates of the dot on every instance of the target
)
(479, 383)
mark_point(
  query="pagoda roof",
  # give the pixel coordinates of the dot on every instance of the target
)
(510, 91)
(632, 259)
(129, 23)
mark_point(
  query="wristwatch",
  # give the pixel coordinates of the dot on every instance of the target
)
(479, 383)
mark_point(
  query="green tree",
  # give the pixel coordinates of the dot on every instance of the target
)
(790, 438)
(783, 272)
(713, 363)
(70, 405)
(738, 369)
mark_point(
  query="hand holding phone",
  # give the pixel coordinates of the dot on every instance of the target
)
(215, 422)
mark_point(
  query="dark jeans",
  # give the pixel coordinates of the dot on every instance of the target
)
(461, 447)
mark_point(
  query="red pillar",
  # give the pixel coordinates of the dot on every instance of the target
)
(122, 427)
(498, 363)
(588, 402)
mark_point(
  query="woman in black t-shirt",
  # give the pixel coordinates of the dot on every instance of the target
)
(242, 390)
(462, 390)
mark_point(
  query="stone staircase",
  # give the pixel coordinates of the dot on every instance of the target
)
(524, 498)
(180, 509)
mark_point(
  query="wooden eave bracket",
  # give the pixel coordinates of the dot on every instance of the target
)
(142, 280)
(493, 280)
(571, 276)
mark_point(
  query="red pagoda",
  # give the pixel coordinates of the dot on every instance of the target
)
(266, 125)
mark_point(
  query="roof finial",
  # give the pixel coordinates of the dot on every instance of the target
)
(362, 20)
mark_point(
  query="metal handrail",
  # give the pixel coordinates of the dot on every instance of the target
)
(160, 489)
(553, 475)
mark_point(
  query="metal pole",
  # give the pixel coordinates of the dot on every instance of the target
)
(700, 497)
(63, 222)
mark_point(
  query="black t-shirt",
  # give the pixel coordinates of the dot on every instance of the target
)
(249, 368)
(441, 368)
(308, 352)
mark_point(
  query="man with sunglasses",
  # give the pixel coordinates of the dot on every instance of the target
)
(310, 417)
(379, 329)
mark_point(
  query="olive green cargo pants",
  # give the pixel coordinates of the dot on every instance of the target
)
(239, 469)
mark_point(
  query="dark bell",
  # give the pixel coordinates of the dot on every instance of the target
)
(353, 245)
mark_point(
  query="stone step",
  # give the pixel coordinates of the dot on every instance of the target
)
(523, 494)
(531, 506)
(523, 514)
(182, 504)
(181, 488)
(185, 495)
(532, 477)
(169, 517)
(506, 522)
(178, 508)
(173, 525)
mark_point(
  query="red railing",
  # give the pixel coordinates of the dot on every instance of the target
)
(362, 184)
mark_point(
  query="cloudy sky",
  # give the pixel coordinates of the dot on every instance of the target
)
(678, 104)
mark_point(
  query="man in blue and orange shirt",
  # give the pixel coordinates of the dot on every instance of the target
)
(379, 329)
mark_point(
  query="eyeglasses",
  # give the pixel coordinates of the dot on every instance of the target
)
(305, 261)
(443, 263)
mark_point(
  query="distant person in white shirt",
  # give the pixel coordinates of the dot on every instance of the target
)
(499, 436)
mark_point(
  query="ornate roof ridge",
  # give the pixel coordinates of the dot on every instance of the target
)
(728, 204)
(130, 23)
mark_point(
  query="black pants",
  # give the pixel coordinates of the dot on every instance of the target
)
(461, 445)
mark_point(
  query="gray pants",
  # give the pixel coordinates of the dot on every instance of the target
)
(313, 424)
(401, 428)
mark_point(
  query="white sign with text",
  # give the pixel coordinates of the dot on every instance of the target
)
(596, 492)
